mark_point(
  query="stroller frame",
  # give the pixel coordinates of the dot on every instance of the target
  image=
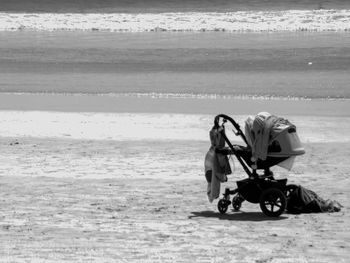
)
(271, 194)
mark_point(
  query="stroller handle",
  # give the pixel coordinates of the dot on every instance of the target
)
(235, 124)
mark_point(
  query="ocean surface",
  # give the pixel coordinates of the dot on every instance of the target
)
(179, 16)
(158, 6)
(240, 21)
(289, 49)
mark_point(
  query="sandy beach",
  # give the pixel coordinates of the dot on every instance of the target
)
(103, 137)
(102, 201)
(104, 198)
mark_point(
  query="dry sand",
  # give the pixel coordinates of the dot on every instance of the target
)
(104, 201)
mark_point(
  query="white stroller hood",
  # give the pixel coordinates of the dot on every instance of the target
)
(269, 135)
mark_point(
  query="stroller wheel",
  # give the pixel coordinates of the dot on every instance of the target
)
(237, 202)
(237, 206)
(273, 202)
(223, 205)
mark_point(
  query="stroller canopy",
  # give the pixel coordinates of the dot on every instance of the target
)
(269, 135)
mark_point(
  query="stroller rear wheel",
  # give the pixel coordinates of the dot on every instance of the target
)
(273, 202)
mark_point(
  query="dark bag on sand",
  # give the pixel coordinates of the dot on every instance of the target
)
(303, 200)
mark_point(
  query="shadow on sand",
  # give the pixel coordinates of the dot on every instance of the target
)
(236, 216)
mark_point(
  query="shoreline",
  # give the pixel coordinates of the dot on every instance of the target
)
(149, 104)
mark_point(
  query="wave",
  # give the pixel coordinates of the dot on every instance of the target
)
(242, 21)
(170, 95)
(156, 95)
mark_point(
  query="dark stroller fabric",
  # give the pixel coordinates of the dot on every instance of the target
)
(303, 200)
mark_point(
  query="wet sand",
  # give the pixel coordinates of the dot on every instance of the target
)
(172, 103)
(313, 65)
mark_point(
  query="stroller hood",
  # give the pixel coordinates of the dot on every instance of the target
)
(284, 142)
(269, 135)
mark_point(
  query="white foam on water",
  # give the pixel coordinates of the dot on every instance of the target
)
(242, 21)
(150, 126)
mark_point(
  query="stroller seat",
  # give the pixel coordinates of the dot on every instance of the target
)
(246, 153)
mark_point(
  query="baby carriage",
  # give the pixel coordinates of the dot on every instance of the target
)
(281, 146)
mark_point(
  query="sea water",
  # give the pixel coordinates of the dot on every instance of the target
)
(239, 21)
(183, 15)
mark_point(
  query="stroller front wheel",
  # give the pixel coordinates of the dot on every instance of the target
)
(273, 202)
(223, 205)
